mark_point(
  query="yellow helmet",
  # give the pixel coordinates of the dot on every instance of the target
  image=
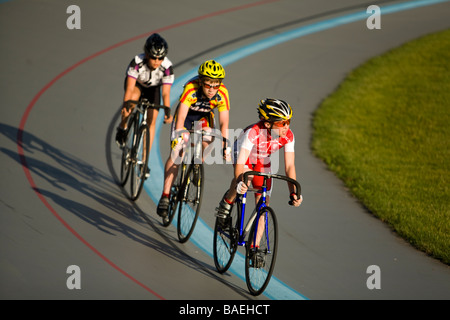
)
(211, 69)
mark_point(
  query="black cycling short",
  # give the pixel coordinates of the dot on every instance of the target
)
(152, 94)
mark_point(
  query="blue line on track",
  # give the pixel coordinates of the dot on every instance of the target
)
(203, 234)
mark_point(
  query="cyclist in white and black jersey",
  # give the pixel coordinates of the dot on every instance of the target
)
(149, 75)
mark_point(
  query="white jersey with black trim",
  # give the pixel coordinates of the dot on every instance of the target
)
(139, 70)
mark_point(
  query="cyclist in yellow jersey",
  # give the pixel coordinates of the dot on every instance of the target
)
(201, 95)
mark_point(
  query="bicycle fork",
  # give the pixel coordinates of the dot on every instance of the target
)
(197, 162)
(255, 214)
(195, 181)
(143, 115)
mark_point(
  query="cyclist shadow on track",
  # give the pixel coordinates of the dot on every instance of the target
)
(69, 176)
(113, 158)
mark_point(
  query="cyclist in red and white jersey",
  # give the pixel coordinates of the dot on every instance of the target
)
(149, 75)
(254, 147)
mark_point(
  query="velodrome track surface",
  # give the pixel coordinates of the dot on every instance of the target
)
(60, 204)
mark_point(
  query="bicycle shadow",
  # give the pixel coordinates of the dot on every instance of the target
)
(66, 173)
(206, 269)
(70, 174)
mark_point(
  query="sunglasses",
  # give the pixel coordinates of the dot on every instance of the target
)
(282, 123)
(208, 86)
(155, 58)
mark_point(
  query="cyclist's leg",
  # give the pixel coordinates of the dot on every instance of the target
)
(154, 96)
(206, 123)
(257, 183)
(132, 92)
(232, 192)
(228, 199)
(170, 172)
(230, 195)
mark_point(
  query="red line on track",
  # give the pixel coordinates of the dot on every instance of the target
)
(62, 74)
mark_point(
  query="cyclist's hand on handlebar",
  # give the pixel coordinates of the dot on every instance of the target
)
(295, 201)
(177, 143)
(241, 187)
(226, 153)
(168, 119)
(126, 109)
(180, 140)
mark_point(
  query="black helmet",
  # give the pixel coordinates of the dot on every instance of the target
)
(156, 46)
(274, 110)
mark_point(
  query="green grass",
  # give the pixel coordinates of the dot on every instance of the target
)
(386, 133)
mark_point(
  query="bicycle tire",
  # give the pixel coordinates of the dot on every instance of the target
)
(225, 241)
(260, 262)
(189, 206)
(125, 164)
(140, 162)
(175, 194)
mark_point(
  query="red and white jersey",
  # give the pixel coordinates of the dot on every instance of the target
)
(257, 139)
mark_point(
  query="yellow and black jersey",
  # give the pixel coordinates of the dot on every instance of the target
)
(193, 97)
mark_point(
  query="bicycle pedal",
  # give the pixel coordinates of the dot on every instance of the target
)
(221, 214)
(120, 145)
(258, 262)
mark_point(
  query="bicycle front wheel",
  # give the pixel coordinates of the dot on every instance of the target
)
(261, 251)
(139, 162)
(192, 191)
(225, 241)
(127, 150)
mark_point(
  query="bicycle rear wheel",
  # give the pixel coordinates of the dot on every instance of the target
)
(125, 164)
(175, 194)
(192, 191)
(225, 241)
(261, 251)
(140, 162)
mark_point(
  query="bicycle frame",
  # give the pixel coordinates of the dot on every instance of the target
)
(196, 153)
(142, 107)
(243, 231)
(135, 154)
(259, 237)
(187, 217)
(142, 116)
(256, 213)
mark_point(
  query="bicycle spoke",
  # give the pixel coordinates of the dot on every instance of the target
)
(189, 207)
(139, 165)
(126, 152)
(174, 195)
(223, 248)
(225, 241)
(261, 252)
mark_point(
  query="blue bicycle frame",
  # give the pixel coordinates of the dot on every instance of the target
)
(255, 214)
